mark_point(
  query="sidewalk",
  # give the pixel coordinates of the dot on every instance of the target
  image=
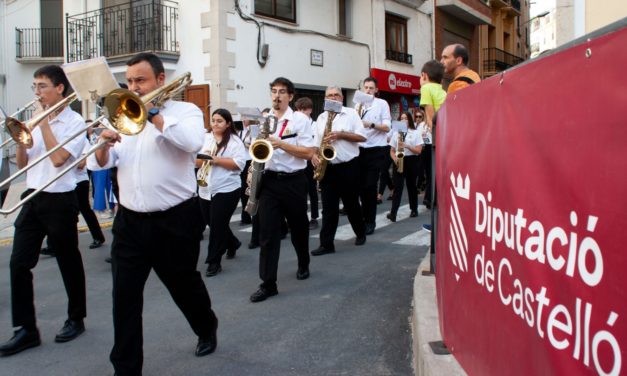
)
(6, 222)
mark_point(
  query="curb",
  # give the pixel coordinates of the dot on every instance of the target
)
(426, 328)
(103, 225)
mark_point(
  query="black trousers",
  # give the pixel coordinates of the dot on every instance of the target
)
(385, 180)
(82, 193)
(245, 217)
(370, 163)
(217, 214)
(340, 182)
(54, 215)
(169, 243)
(408, 177)
(425, 171)
(312, 190)
(282, 196)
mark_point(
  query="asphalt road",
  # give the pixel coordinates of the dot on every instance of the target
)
(351, 317)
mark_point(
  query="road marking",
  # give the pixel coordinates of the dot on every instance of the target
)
(418, 238)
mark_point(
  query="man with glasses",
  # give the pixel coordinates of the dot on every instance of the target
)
(376, 121)
(52, 213)
(283, 192)
(341, 178)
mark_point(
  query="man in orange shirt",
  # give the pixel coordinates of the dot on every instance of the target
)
(455, 60)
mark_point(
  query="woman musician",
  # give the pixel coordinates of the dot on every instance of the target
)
(411, 147)
(220, 185)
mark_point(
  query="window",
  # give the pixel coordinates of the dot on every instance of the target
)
(280, 9)
(344, 15)
(396, 39)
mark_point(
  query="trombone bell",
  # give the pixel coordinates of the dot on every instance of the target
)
(19, 132)
(125, 111)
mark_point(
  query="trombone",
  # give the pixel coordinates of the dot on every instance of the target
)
(12, 117)
(124, 112)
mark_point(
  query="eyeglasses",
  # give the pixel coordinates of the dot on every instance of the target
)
(39, 87)
(279, 92)
(418, 116)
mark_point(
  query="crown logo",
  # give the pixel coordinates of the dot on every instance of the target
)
(461, 187)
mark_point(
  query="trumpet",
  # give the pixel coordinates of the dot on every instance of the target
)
(124, 112)
(400, 153)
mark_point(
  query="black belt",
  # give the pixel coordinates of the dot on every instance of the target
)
(283, 175)
(158, 214)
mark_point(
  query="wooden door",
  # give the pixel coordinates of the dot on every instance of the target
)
(199, 95)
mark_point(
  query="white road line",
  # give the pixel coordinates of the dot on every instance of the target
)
(418, 238)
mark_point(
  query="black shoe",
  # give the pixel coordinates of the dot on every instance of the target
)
(245, 222)
(71, 329)
(253, 245)
(96, 244)
(361, 240)
(342, 211)
(427, 204)
(207, 345)
(230, 253)
(391, 217)
(108, 259)
(413, 214)
(302, 273)
(213, 269)
(262, 294)
(22, 339)
(322, 251)
(313, 224)
(46, 251)
(370, 228)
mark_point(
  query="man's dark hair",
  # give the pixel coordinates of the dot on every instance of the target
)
(373, 80)
(461, 51)
(152, 59)
(282, 81)
(55, 74)
(267, 109)
(303, 103)
(434, 70)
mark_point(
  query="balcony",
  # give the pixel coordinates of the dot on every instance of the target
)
(39, 45)
(496, 60)
(120, 31)
(401, 57)
(512, 7)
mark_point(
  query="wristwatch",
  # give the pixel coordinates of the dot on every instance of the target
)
(372, 126)
(152, 113)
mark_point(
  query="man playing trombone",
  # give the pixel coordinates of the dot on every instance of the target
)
(158, 225)
(52, 213)
(340, 179)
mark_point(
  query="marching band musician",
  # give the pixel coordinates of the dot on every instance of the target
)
(283, 191)
(158, 225)
(219, 196)
(411, 147)
(246, 137)
(341, 177)
(53, 212)
(376, 121)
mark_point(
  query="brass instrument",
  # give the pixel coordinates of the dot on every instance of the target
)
(260, 151)
(205, 168)
(18, 112)
(400, 153)
(124, 112)
(326, 152)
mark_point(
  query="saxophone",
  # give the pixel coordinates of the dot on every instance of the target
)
(205, 168)
(400, 154)
(326, 152)
(261, 151)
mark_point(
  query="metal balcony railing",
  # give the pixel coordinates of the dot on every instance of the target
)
(516, 4)
(398, 56)
(497, 60)
(123, 29)
(39, 43)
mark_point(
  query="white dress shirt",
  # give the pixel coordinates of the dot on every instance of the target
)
(220, 179)
(299, 124)
(63, 126)
(424, 132)
(156, 169)
(81, 173)
(246, 137)
(412, 139)
(377, 113)
(345, 121)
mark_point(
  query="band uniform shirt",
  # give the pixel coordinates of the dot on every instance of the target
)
(413, 138)
(377, 113)
(156, 169)
(81, 173)
(423, 130)
(432, 94)
(246, 137)
(297, 123)
(64, 125)
(345, 121)
(220, 179)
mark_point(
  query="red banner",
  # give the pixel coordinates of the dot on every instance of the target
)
(395, 82)
(532, 228)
